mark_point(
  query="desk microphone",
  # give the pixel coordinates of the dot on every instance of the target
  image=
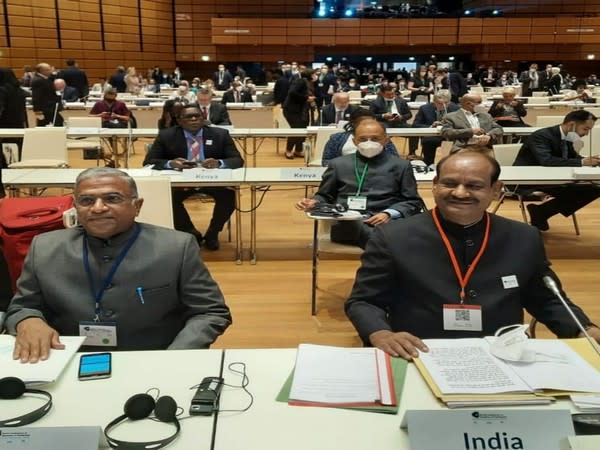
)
(551, 284)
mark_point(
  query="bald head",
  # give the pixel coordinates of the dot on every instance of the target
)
(469, 101)
(44, 69)
(59, 84)
(341, 100)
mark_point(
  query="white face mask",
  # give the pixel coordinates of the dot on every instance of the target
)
(239, 88)
(369, 149)
(512, 345)
(575, 139)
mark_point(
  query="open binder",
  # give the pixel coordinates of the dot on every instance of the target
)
(580, 348)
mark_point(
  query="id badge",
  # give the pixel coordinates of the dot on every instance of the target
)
(99, 333)
(462, 317)
(358, 202)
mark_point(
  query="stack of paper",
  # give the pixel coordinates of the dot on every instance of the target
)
(463, 372)
(333, 376)
(586, 403)
(42, 372)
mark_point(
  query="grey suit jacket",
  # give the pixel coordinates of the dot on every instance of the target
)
(456, 127)
(183, 306)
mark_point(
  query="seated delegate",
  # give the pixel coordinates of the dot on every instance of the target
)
(144, 285)
(343, 143)
(380, 185)
(559, 146)
(417, 274)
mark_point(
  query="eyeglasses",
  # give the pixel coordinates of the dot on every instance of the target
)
(108, 199)
(191, 116)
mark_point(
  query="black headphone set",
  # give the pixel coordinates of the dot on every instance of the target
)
(329, 210)
(139, 407)
(12, 388)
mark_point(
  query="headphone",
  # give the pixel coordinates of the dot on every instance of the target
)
(139, 407)
(12, 388)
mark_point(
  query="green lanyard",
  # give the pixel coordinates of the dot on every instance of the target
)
(360, 178)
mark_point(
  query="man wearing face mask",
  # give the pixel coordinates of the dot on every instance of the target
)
(380, 185)
(471, 125)
(559, 146)
(114, 113)
(236, 94)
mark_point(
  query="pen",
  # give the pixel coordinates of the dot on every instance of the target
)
(139, 290)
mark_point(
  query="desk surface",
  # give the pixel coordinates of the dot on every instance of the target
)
(525, 175)
(97, 402)
(272, 425)
(267, 425)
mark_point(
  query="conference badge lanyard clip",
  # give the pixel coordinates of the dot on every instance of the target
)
(97, 332)
(358, 201)
(461, 316)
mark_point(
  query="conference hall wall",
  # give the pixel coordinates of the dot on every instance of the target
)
(247, 31)
(99, 34)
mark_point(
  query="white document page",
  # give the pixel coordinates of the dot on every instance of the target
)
(42, 372)
(335, 375)
(465, 366)
(557, 367)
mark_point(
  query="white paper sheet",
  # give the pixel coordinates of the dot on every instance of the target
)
(42, 372)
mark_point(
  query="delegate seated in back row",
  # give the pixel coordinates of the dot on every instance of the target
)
(378, 184)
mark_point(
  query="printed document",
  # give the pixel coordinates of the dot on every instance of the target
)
(334, 375)
(466, 366)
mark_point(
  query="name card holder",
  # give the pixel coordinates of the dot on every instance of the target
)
(212, 174)
(488, 429)
(302, 173)
(44, 438)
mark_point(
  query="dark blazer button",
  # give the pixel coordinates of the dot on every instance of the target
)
(469, 243)
(472, 293)
(109, 313)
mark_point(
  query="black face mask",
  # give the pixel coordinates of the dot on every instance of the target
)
(109, 100)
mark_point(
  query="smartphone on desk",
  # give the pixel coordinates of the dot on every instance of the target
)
(95, 366)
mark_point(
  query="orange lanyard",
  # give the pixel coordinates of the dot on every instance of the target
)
(463, 280)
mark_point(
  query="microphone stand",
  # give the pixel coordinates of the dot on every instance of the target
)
(551, 284)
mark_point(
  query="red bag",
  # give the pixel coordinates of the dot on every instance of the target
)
(23, 218)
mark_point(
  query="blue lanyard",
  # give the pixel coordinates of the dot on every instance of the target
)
(97, 295)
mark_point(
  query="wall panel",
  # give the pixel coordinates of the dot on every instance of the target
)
(35, 37)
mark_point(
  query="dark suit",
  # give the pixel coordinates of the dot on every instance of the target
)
(406, 276)
(498, 109)
(229, 97)
(455, 83)
(218, 114)
(328, 115)
(76, 78)
(224, 82)
(389, 184)
(70, 94)
(379, 108)
(545, 148)
(170, 144)
(527, 80)
(183, 307)
(45, 100)
(426, 116)
(280, 89)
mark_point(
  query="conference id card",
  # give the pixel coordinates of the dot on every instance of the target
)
(459, 317)
(357, 202)
(102, 334)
